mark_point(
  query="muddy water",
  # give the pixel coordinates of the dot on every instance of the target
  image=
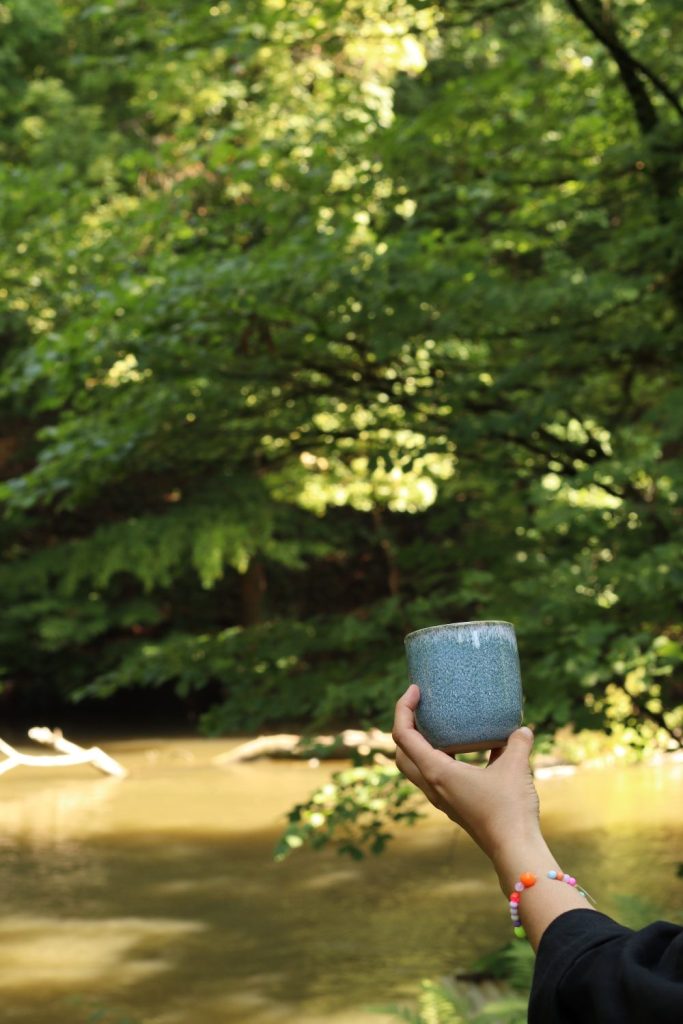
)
(155, 900)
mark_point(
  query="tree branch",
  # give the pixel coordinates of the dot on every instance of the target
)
(629, 66)
(70, 753)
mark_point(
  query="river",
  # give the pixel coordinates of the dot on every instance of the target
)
(155, 899)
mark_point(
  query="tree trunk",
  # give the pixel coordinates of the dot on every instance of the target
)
(664, 159)
(253, 591)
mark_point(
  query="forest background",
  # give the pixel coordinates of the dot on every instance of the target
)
(325, 321)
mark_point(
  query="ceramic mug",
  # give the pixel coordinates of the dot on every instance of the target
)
(470, 684)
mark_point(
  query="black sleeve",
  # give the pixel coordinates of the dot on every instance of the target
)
(591, 970)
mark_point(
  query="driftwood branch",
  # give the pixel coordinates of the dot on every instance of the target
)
(292, 745)
(68, 754)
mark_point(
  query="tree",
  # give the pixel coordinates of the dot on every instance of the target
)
(328, 321)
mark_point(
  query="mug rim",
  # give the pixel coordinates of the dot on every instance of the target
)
(457, 625)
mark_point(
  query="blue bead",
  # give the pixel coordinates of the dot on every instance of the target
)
(552, 874)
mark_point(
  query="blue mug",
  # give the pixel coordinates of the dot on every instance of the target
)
(470, 684)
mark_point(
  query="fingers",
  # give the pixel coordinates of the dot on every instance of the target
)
(518, 747)
(411, 698)
(406, 766)
(495, 754)
(411, 772)
(429, 762)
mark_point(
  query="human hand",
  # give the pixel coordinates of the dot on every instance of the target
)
(497, 805)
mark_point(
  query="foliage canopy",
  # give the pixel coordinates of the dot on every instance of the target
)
(323, 321)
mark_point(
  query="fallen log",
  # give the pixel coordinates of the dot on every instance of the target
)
(68, 754)
(291, 745)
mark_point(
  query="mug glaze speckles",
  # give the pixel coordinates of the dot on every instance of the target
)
(470, 684)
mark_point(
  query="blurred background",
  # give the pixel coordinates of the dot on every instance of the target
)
(322, 322)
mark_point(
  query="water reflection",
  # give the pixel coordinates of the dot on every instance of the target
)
(158, 896)
(49, 812)
(41, 952)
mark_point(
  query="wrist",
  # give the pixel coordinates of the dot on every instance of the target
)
(545, 899)
(522, 852)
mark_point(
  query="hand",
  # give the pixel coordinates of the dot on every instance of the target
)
(496, 805)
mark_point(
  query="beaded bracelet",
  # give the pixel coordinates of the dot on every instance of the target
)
(526, 880)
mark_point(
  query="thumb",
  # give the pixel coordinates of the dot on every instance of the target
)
(519, 745)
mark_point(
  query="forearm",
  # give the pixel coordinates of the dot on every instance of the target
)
(548, 898)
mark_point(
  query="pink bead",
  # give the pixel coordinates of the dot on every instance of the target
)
(572, 881)
(519, 886)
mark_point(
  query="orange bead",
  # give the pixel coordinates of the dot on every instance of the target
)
(560, 875)
(527, 879)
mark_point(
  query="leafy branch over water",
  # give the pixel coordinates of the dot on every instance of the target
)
(352, 811)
